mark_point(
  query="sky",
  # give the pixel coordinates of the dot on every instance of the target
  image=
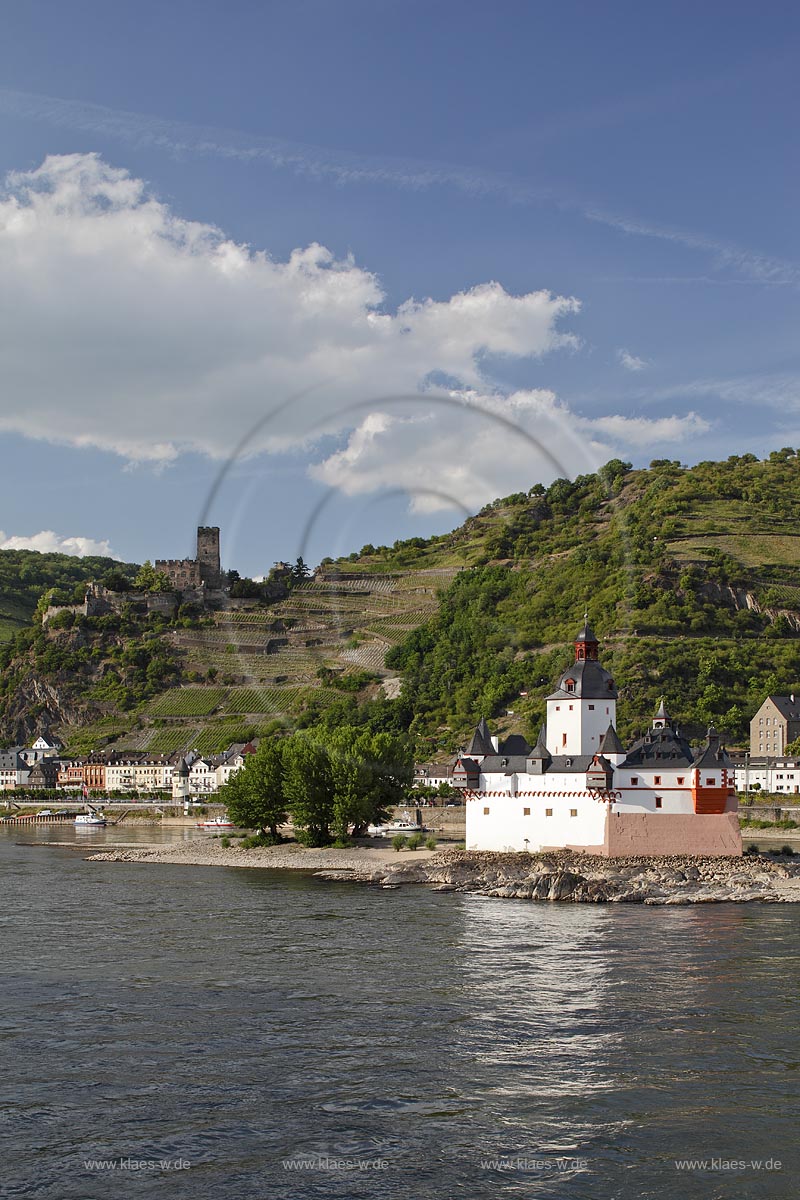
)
(335, 272)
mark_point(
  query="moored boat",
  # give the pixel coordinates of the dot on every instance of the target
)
(400, 825)
(216, 823)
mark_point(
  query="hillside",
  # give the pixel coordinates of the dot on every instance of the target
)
(25, 574)
(691, 578)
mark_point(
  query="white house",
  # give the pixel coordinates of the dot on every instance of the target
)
(579, 788)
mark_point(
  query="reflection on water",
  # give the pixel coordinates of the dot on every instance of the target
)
(237, 1018)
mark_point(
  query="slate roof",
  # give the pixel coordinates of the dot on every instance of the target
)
(501, 764)
(610, 743)
(592, 682)
(713, 754)
(481, 742)
(515, 743)
(788, 708)
(540, 749)
(660, 747)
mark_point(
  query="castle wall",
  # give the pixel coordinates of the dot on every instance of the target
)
(181, 572)
(672, 833)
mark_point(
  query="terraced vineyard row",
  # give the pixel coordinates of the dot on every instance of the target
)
(187, 702)
(264, 700)
(177, 737)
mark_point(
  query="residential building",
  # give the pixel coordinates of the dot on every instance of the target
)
(775, 725)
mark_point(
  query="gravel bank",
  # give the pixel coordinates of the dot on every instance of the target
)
(560, 876)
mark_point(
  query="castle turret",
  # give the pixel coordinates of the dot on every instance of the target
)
(584, 703)
(180, 782)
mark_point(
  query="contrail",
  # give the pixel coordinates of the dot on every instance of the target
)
(345, 168)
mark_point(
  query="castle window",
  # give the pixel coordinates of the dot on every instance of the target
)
(680, 779)
(548, 812)
(486, 812)
(526, 812)
(634, 780)
(658, 802)
(591, 708)
(711, 782)
(571, 707)
(573, 812)
(563, 740)
(656, 779)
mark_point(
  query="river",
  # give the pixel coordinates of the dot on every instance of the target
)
(247, 1033)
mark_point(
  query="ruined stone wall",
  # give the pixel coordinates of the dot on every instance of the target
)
(182, 572)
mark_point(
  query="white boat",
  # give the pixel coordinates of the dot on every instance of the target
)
(216, 823)
(84, 819)
(401, 825)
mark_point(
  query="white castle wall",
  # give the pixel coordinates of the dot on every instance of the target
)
(576, 726)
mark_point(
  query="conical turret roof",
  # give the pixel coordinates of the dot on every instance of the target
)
(481, 742)
(610, 743)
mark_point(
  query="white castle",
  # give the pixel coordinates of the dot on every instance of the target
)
(578, 788)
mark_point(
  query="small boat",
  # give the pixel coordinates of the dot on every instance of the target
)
(216, 823)
(93, 819)
(400, 825)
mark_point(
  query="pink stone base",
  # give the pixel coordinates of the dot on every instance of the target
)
(672, 833)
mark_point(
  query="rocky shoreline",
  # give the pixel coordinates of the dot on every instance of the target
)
(563, 876)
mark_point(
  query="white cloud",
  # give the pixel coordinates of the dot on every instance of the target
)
(129, 328)
(48, 542)
(493, 446)
(630, 361)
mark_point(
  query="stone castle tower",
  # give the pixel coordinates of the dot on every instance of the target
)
(204, 570)
(208, 554)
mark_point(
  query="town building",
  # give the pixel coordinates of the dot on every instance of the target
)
(579, 788)
(775, 725)
(768, 776)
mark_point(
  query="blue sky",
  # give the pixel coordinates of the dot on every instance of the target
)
(558, 233)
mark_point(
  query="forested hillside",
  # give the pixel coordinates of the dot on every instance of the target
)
(690, 577)
(25, 574)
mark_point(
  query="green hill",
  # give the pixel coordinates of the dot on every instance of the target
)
(25, 574)
(690, 576)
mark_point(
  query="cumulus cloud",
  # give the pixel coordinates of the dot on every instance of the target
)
(130, 328)
(48, 542)
(464, 453)
(631, 362)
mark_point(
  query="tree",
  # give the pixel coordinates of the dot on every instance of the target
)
(115, 581)
(352, 781)
(255, 795)
(151, 580)
(308, 788)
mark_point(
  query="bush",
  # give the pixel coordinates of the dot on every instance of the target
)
(430, 844)
(415, 841)
(225, 842)
(399, 841)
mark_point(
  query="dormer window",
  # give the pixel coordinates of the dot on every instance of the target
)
(570, 685)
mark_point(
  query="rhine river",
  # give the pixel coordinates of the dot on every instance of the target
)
(224, 1033)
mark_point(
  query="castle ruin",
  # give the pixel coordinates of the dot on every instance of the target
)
(203, 571)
